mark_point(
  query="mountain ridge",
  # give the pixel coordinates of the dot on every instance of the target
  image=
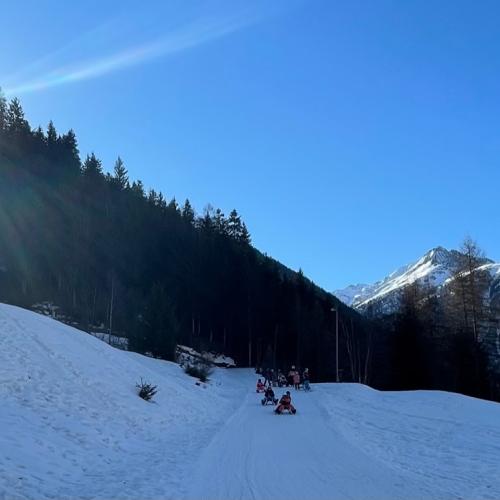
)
(434, 269)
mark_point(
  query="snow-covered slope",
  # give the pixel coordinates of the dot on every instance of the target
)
(72, 427)
(433, 270)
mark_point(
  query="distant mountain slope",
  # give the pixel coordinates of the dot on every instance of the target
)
(433, 269)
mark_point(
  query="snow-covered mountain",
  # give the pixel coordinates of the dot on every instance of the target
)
(433, 269)
(72, 426)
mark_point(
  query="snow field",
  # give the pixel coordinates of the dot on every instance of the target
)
(73, 427)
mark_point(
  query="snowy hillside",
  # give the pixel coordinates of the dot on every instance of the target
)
(72, 427)
(433, 270)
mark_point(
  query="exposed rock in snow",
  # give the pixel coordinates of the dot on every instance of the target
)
(185, 354)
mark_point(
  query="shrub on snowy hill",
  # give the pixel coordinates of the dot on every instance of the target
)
(146, 390)
(195, 364)
(199, 370)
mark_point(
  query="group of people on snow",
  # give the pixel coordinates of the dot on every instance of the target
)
(271, 378)
(284, 404)
(277, 378)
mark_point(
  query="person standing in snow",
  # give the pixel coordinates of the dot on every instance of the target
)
(274, 377)
(305, 379)
(296, 380)
(281, 379)
(291, 373)
(267, 376)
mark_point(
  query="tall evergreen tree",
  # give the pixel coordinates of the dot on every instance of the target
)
(3, 111)
(120, 174)
(188, 212)
(219, 222)
(92, 167)
(245, 235)
(52, 136)
(16, 122)
(234, 227)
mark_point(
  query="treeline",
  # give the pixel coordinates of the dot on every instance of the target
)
(446, 339)
(115, 257)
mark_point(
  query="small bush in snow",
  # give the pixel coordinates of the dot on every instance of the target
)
(199, 369)
(146, 391)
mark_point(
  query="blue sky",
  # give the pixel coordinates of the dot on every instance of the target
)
(351, 136)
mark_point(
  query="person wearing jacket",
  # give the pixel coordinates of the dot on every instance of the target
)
(305, 380)
(269, 396)
(285, 404)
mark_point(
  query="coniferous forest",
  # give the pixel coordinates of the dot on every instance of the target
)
(114, 256)
(117, 258)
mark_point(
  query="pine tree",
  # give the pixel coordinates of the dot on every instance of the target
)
(152, 197)
(51, 137)
(245, 235)
(173, 207)
(188, 212)
(138, 188)
(219, 222)
(3, 111)
(16, 122)
(70, 155)
(234, 227)
(92, 167)
(206, 222)
(120, 174)
(39, 135)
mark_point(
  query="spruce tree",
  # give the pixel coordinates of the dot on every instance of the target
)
(188, 212)
(3, 112)
(219, 222)
(16, 122)
(92, 167)
(70, 155)
(245, 235)
(120, 174)
(234, 226)
(51, 137)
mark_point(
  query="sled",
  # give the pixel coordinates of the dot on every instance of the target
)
(265, 401)
(288, 410)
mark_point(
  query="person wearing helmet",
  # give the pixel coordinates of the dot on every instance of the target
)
(285, 404)
(269, 397)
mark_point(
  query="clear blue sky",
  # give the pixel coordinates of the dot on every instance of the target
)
(352, 136)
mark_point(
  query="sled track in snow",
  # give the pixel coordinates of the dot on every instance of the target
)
(258, 455)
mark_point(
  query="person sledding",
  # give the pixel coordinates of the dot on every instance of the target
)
(260, 386)
(269, 397)
(285, 404)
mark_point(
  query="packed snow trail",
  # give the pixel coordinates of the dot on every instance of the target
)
(259, 455)
(348, 441)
